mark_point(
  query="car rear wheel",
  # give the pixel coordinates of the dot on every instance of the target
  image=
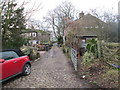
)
(26, 70)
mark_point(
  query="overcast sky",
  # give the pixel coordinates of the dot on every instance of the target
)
(82, 5)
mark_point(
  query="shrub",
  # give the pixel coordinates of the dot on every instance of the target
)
(92, 46)
(60, 40)
(14, 43)
(87, 58)
(31, 52)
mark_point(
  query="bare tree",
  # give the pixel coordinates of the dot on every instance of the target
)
(50, 19)
(110, 18)
(56, 17)
(106, 16)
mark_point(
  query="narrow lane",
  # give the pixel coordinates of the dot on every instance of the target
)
(51, 71)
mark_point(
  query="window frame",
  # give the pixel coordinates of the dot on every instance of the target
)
(13, 54)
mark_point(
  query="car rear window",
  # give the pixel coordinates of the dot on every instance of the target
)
(8, 55)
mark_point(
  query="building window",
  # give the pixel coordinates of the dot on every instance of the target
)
(34, 34)
(30, 34)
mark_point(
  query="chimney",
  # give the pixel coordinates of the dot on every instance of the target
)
(81, 15)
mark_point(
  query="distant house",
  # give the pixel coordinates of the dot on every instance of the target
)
(36, 36)
(87, 26)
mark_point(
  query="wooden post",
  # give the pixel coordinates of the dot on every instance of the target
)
(99, 48)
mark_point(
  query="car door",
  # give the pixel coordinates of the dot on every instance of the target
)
(9, 66)
(20, 62)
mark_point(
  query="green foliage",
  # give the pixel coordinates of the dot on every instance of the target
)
(91, 53)
(92, 46)
(13, 21)
(14, 43)
(87, 59)
(60, 40)
(65, 49)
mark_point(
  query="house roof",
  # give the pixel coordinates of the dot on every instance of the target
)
(88, 32)
(87, 25)
(36, 30)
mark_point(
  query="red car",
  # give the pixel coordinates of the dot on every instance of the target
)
(12, 63)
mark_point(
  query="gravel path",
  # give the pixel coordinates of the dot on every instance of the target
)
(51, 71)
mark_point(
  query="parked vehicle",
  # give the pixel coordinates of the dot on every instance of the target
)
(41, 47)
(47, 47)
(12, 63)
